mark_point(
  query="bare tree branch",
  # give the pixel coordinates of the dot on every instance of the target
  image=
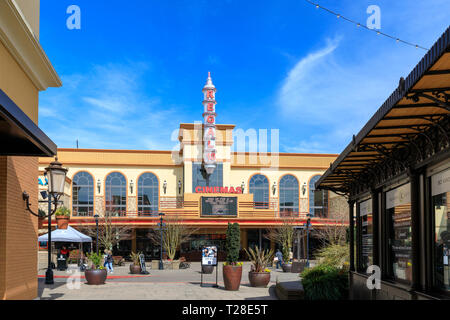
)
(109, 234)
(175, 233)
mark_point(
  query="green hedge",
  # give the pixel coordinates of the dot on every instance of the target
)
(325, 282)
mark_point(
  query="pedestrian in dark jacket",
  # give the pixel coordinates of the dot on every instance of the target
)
(279, 257)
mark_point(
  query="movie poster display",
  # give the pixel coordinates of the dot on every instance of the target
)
(209, 256)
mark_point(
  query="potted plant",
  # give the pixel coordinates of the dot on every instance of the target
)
(207, 269)
(259, 276)
(286, 265)
(232, 270)
(62, 215)
(96, 274)
(135, 266)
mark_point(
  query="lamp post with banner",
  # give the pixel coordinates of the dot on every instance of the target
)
(56, 177)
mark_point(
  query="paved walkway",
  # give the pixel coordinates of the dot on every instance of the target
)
(181, 284)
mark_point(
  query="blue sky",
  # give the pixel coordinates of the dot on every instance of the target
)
(136, 68)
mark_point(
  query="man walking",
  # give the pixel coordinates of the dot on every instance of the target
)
(279, 257)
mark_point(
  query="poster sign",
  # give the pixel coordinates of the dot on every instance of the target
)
(219, 206)
(209, 256)
(398, 196)
(440, 183)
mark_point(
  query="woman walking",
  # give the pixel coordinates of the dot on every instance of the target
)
(109, 261)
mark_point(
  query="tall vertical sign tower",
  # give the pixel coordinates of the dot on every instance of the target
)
(209, 128)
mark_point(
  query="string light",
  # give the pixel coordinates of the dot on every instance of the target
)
(360, 25)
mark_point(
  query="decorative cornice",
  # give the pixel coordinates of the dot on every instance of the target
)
(23, 45)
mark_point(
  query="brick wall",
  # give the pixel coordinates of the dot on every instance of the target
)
(18, 228)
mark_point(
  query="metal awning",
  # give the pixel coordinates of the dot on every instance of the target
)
(419, 106)
(19, 135)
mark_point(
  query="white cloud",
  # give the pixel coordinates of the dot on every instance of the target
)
(107, 108)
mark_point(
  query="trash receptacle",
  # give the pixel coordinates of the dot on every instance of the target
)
(61, 263)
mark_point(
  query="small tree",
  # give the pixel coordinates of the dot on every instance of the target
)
(108, 233)
(175, 233)
(335, 233)
(283, 235)
(233, 243)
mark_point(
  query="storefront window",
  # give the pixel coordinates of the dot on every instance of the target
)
(116, 194)
(318, 199)
(201, 179)
(83, 194)
(365, 213)
(148, 193)
(398, 206)
(259, 186)
(440, 190)
(289, 196)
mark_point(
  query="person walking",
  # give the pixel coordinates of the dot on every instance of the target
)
(279, 256)
(109, 261)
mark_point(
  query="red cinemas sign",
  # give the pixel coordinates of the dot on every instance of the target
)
(218, 190)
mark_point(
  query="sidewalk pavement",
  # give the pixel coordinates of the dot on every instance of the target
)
(183, 284)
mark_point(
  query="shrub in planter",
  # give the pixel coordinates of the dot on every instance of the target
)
(325, 282)
(96, 274)
(336, 255)
(232, 270)
(135, 266)
(62, 215)
(259, 276)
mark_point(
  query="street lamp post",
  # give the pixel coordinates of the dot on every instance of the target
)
(49, 272)
(161, 265)
(56, 176)
(96, 224)
(308, 222)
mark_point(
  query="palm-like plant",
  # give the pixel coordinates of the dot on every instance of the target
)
(260, 258)
(135, 258)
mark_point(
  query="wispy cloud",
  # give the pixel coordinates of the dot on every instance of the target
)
(108, 107)
(330, 97)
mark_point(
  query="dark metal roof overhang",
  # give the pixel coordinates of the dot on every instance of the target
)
(411, 126)
(19, 135)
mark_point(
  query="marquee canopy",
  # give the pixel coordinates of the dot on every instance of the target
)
(66, 235)
(408, 128)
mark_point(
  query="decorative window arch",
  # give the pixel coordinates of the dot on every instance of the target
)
(318, 199)
(148, 194)
(259, 186)
(83, 194)
(116, 194)
(289, 196)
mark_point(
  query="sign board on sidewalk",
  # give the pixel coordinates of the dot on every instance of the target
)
(209, 256)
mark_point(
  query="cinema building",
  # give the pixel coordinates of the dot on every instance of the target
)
(202, 182)
(396, 173)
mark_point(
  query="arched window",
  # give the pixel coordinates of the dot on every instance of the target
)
(148, 188)
(83, 194)
(116, 194)
(289, 196)
(259, 186)
(318, 199)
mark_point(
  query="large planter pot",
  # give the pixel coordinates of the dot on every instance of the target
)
(298, 266)
(62, 222)
(286, 267)
(207, 269)
(232, 277)
(96, 276)
(134, 269)
(259, 279)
